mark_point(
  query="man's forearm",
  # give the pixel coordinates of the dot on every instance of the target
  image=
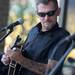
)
(36, 67)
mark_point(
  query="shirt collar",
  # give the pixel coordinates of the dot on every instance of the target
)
(51, 30)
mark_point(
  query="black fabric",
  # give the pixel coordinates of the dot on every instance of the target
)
(39, 45)
(3, 68)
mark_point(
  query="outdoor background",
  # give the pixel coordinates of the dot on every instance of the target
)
(11, 10)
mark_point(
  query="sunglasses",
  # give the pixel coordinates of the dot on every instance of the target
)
(50, 13)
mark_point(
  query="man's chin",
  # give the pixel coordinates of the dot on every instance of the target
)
(47, 27)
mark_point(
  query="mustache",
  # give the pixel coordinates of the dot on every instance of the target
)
(48, 21)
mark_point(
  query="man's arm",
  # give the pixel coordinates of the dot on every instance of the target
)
(36, 67)
(51, 64)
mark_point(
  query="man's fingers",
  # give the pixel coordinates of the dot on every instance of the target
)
(5, 59)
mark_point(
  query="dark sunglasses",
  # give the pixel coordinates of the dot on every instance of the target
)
(50, 13)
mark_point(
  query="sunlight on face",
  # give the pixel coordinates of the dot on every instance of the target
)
(47, 21)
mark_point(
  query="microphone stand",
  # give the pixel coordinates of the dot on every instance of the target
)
(67, 39)
(13, 64)
(1, 39)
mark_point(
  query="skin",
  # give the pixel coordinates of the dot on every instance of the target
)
(48, 22)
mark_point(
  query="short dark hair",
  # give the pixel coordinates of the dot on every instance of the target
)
(46, 2)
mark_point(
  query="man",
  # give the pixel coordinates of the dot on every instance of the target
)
(42, 39)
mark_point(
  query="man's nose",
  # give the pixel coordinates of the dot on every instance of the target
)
(46, 17)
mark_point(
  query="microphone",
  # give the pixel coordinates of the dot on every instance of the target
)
(12, 25)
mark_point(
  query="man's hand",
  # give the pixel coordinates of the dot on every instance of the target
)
(5, 59)
(9, 55)
(14, 54)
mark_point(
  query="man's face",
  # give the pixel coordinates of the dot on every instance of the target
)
(48, 15)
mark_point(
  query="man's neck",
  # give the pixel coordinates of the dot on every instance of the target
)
(44, 29)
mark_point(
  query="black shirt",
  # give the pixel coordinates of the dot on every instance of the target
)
(39, 45)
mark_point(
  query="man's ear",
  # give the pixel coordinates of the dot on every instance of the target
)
(58, 11)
